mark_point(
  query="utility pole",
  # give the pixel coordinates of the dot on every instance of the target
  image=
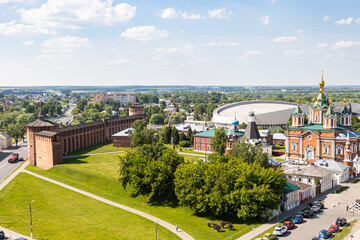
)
(156, 229)
(31, 230)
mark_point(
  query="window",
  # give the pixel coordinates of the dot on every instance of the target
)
(294, 146)
(316, 117)
(339, 149)
(309, 180)
(208, 148)
(299, 179)
(309, 137)
(202, 140)
(326, 149)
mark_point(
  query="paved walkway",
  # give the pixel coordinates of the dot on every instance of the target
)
(10, 235)
(170, 227)
(91, 154)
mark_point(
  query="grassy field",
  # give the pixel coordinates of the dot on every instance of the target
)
(101, 148)
(98, 175)
(56, 210)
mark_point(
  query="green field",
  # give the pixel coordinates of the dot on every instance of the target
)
(101, 148)
(98, 175)
(59, 213)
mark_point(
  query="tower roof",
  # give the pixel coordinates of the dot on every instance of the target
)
(345, 110)
(321, 100)
(235, 122)
(251, 131)
(298, 111)
(330, 112)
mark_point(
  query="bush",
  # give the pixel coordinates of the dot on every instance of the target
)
(216, 227)
(209, 225)
(223, 224)
(184, 144)
(229, 226)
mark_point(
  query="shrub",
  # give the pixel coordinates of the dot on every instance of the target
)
(216, 227)
(184, 144)
(229, 226)
(209, 225)
(223, 224)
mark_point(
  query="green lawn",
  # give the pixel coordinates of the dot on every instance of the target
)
(98, 175)
(356, 181)
(101, 148)
(341, 189)
(59, 213)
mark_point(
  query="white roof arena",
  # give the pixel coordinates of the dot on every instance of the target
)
(267, 113)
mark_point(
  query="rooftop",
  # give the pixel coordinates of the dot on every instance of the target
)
(211, 133)
(123, 133)
(290, 187)
(46, 133)
(319, 127)
(310, 170)
(42, 123)
(5, 135)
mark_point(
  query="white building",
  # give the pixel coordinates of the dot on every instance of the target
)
(341, 172)
(5, 140)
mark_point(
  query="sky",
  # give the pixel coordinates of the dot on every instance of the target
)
(219, 43)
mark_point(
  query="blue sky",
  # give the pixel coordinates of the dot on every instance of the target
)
(244, 42)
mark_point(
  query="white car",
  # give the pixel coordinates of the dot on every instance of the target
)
(315, 208)
(280, 230)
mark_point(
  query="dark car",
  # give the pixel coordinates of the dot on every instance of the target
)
(2, 235)
(298, 219)
(308, 213)
(320, 204)
(325, 234)
(315, 238)
(341, 221)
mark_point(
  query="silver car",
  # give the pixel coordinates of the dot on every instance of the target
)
(315, 208)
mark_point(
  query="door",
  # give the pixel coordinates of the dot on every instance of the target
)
(309, 155)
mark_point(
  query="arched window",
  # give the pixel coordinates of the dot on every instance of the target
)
(294, 146)
(316, 117)
(326, 149)
(339, 149)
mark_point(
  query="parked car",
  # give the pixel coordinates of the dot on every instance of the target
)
(289, 224)
(320, 204)
(334, 228)
(259, 239)
(325, 234)
(315, 238)
(298, 219)
(14, 157)
(308, 213)
(341, 221)
(269, 236)
(2, 235)
(315, 208)
(280, 230)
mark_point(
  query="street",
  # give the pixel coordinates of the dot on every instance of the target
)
(7, 168)
(67, 117)
(335, 206)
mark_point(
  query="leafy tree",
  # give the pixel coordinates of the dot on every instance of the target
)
(175, 136)
(183, 137)
(165, 134)
(317, 182)
(162, 104)
(218, 142)
(142, 135)
(249, 153)
(184, 144)
(17, 131)
(149, 170)
(242, 125)
(157, 118)
(177, 117)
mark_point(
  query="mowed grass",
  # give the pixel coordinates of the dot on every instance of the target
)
(101, 148)
(99, 175)
(59, 213)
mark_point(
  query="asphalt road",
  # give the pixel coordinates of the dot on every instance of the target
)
(67, 117)
(335, 206)
(7, 168)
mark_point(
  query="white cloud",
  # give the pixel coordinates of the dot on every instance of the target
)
(160, 53)
(171, 13)
(265, 20)
(322, 45)
(28, 43)
(326, 18)
(13, 29)
(345, 21)
(254, 54)
(120, 61)
(212, 44)
(220, 13)
(294, 52)
(358, 20)
(346, 44)
(69, 13)
(285, 39)
(144, 33)
(272, 1)
(300, 32)
(232, 44)
(7, 1)
(65, 44)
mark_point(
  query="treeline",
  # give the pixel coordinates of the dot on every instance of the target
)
(236, 185)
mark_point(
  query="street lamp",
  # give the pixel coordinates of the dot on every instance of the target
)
(31, 232)
(156, 229)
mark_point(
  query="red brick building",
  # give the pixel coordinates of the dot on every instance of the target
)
(47, 143)
(122, 139)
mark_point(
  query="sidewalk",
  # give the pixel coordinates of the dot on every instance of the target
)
(12, 235)
(91, 154)
(284, 215)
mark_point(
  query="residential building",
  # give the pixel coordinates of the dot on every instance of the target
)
(278, 138)
(291, 196)
(5, 140)
(304, 191)
(341, 172)
(309, 175)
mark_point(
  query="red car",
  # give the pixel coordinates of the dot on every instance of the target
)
(14, 157)
(289, 224)
(334, 228)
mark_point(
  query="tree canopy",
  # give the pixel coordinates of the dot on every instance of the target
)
(218, 142)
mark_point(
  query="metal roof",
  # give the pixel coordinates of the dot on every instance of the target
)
(46, 133)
